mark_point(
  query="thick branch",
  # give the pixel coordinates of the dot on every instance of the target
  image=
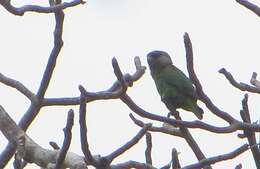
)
(40, 9)
(31, 151)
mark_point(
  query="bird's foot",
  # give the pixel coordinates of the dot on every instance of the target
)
(174, 114)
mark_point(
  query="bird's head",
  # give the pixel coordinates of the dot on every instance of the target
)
(158, 59)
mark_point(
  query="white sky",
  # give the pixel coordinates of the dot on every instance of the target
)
(223, 33)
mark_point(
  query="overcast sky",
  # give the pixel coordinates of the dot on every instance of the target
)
(223, 33)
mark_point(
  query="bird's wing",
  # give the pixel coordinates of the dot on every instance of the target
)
(176, 78)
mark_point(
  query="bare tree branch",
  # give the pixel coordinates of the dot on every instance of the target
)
(250, 6)
(39, 9)
(249, 134)
(203, 97)
(165, 129)
(190, 140)
(67, 140)
(58, 43)
(112, 93)
(132, 164)
(119, 75)
(35, 106)
(18, 86)
(254, 81)
(30, 151)
(148, 151)
(175, 159)
(213, 160)
(129, 144)
(54, 145)
(239, 166)
(240, 86)
(189, 124)
(83, 130)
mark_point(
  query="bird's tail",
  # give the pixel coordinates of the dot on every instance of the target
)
(198, 112)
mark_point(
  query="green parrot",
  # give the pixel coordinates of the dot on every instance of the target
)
(175, 88)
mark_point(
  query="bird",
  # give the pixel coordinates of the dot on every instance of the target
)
(175, 88)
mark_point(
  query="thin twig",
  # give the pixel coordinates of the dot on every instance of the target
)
(254, 81)
(129, 144)
(111, 93)
(241, 86)
(58, 43)
(54, 145)
(83, 130)
(213, 160)
(171, 131)
(148, 151)
(175, 159)
(119, 75)
(67, 140)
(18, 86)
(189, 124)
(249, 134)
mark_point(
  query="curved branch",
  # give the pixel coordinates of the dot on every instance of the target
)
(240, 86)
(165, 129)
(35, 107)
(203, 97)
(213, 160)
(111, 93)
(189, 124)
(252, 7)
(18, 86)
(30, 151)
(129, 144)
(40, 9)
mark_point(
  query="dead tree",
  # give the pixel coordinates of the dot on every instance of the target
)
(25, 150)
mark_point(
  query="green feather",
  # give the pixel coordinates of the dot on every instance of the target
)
(175, 88)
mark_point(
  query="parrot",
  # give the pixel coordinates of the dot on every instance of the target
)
(175, 88)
